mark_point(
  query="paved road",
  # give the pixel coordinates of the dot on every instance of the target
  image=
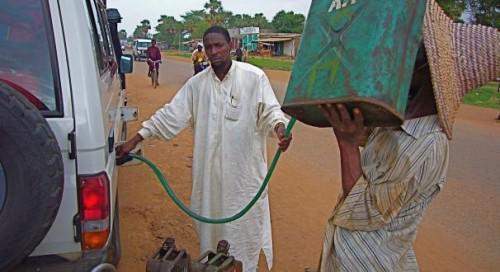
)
(461, 231)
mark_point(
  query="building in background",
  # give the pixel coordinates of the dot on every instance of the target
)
(263, 42)
(248, 37)
(280, 44)
(244, 38)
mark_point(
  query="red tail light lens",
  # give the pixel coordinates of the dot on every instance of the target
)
(94, 197)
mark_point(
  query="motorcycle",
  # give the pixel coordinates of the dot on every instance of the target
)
(200, 65)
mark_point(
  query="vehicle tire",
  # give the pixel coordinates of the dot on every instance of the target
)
(154, 78)
(33, 177)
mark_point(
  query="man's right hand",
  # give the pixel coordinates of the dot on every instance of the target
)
(348, 130)
(127, 147)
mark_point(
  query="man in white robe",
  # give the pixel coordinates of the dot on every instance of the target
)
(233, 109)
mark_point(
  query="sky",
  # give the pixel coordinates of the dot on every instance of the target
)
(134, 11)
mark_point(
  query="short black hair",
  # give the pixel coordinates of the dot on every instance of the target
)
(218, 29)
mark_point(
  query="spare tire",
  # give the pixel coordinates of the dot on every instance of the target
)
(31, 177)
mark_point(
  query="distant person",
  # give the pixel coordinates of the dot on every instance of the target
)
(153, 54)
(232, 108)
(245, 55)
(239, 54)
(199, 59)
(388, 186)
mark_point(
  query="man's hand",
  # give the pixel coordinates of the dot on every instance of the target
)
(125, 148)
(347, 130)
(284, 142)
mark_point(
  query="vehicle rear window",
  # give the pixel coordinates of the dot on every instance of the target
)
(143, 44)
(27, 53)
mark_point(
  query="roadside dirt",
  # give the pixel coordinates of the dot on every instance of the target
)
(148, 216)
(301, 194)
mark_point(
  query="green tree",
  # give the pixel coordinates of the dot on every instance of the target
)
(168, 30)
(485, 12)
(142, 30)
(226, 17)
(122, 34)
(454, 8)
(215, 12)
(194, 22)
(245, 20)
(261, 21)
(288, 22)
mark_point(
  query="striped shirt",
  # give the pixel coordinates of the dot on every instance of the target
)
(373, 228)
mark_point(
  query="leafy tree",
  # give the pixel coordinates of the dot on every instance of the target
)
(288, 22)
(245, 20)
(215, 12)
(485, 12)
(194, 22)
(454, 8)
(240, 20)
(261, 21)
(168, 29)
(142, 30)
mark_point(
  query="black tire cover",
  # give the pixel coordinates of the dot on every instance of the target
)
(33, 167)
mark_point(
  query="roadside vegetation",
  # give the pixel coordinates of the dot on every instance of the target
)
(261, 62)
(485, 96)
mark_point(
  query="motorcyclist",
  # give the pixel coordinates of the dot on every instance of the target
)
(199, 58)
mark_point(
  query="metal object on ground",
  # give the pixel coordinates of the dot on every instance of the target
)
(219, 261)
(360, 53)
(169, 259)
(105, 267)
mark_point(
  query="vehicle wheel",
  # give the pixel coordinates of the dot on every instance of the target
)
(154, 78)
(31, 177)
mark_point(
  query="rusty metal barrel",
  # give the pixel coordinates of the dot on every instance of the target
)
(357, 52)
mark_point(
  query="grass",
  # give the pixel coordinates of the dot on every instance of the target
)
(178, 54)
(263, 63)
(272, 63)
(485, 96)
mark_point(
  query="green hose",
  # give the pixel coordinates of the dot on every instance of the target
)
(203, 219)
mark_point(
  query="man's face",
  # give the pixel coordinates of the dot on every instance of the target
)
(217, 49)
(153, 43)
(200, 48)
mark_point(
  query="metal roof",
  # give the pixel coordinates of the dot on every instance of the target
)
(271, 40)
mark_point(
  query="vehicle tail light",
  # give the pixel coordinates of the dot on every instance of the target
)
(94, 210)
(95, 239)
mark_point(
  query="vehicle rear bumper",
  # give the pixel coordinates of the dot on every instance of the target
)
(90, 262)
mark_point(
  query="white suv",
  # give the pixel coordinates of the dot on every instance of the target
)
(140, 48)
(61, 115)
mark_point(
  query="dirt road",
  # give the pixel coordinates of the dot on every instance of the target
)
(461, 231)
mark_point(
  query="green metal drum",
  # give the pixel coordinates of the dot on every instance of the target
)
(357, 52)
